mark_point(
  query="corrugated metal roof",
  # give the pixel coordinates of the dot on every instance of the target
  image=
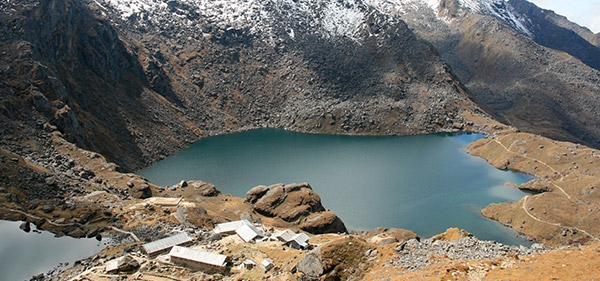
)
(248, 232)
(199, 256)
(165, 201)
(230, 226)
(301, 239)
(285, 235)
(166, 243)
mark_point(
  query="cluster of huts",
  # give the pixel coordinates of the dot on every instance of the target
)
(210, 262)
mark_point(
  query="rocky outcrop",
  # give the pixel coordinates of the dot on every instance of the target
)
(289, 202)
(323, 222)
(311, 266)
(385, 236)
(297, 203)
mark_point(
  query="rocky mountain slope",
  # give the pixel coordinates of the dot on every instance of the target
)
(529, 66)
(138, 80)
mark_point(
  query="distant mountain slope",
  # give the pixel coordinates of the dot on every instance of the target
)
(528, 65)
(139, 79)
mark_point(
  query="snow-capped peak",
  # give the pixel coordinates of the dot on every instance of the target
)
(500, 9)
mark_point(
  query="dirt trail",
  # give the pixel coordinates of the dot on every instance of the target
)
(543, 163)
(526, 198)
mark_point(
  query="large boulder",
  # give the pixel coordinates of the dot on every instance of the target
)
(289, 202)
(323, 222)
(311, 265)
(204, 188)
(141, 191)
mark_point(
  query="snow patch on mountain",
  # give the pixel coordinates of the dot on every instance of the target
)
(500, 9)
(343, 20)
(330, 19)
(271, 19)
(400, 7)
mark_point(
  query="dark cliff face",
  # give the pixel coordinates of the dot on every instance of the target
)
(534, 81)
(79, 75)
(139, 87)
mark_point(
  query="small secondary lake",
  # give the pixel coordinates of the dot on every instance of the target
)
(424, 183)
(23, 255)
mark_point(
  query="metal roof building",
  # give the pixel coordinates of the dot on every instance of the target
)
(284, 235)
(290, 237)
(165, 244)
(230, 227)
(300, 240)
(198, 260)
(267, 264)
(248, 232)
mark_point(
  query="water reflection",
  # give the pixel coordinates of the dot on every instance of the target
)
(23, 255)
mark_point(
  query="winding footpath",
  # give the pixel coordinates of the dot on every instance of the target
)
(543, 163)
(526, 198)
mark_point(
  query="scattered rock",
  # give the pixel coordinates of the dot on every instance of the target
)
(414, 254)
(11, 197)
(74, 231)
(26, 226)
(39, 277)
(249, 217)
(48, 208)
(182, 184)
(124, 264)
(107, 213)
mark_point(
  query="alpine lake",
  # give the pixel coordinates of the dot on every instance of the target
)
(424, 183)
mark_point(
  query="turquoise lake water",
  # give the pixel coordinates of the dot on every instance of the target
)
(23, 255)
(425, 183)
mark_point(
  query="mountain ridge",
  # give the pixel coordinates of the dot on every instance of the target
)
(528, 85)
